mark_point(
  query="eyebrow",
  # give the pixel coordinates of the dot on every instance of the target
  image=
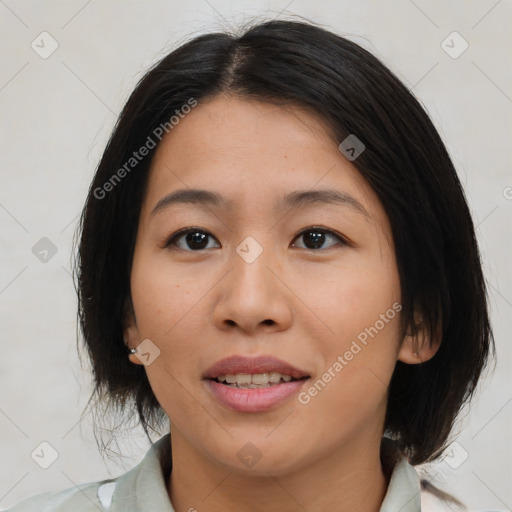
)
(293, 200)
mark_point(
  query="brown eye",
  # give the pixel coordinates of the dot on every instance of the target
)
(194, 239)
(315, 238)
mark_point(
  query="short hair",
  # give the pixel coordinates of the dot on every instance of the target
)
(298, 64)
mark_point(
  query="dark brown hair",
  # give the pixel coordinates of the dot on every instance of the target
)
(295, 63)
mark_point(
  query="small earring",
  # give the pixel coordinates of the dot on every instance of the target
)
(133, 350)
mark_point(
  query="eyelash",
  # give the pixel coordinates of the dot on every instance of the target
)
(171, 241)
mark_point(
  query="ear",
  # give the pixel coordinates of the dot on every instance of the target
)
(131, 333)
(418, 347)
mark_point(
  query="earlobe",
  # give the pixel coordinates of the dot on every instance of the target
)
(131, 336)
(131, 340)
(134, 359)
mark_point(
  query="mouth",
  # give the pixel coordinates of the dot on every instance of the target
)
(253, 384)
(255, 380)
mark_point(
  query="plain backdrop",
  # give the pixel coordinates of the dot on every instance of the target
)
(56, 115)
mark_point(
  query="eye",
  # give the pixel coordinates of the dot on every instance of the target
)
(195, 238)
(316, 236)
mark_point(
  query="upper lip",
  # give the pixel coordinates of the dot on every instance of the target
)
(252, 365)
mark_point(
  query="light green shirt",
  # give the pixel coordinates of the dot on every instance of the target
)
(143, 489)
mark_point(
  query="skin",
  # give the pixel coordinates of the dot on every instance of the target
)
(199, 305)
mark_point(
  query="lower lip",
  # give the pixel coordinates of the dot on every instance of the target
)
(256, 399)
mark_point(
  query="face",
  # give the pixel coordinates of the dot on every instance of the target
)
(296, 300)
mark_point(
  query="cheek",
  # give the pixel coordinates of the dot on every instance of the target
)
(351, 391)
(165, 299)
(358, 296)
(362, 310)
(167, 307)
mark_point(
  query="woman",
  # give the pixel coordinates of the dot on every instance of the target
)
(277, 258)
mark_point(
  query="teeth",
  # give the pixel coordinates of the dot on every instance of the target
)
(243, 378)
(274, 377)
(259, 378)
(256, 380)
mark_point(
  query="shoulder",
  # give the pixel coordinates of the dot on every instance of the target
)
(410, 488)
(88, 497)
(434, 499)
(141, 487)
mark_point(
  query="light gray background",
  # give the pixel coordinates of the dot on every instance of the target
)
(56, 116)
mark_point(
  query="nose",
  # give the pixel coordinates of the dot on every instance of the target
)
(253, 296)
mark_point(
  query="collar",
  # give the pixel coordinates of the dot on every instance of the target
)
(144, 487)
(404, 489)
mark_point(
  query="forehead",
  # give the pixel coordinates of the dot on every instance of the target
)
(253, 153)
(228, 126)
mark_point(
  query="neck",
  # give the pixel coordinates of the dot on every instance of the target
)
(350, 478)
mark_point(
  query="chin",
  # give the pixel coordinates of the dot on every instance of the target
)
(258, 457)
